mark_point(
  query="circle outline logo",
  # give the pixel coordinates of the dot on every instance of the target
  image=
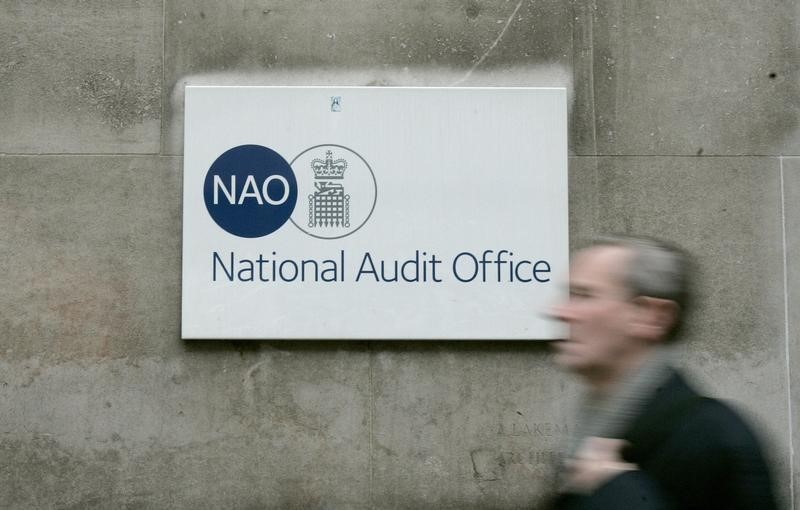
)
(374, 185)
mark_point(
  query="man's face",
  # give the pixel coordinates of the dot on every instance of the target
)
(599, 313)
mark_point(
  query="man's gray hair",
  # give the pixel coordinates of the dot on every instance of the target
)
(657, 269)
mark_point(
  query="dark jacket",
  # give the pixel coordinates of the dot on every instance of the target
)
(692, 453)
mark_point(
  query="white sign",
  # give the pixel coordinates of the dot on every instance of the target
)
(373, 212)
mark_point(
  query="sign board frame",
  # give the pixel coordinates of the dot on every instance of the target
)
(462, 190)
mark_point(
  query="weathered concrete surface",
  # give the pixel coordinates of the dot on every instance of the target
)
(92, 245)
(791, 196)
(279, 428)
(696, 77)
(582, 131)
(464, 42)
(727, 213)
(80, 77)
(582, 201)
(467, 425)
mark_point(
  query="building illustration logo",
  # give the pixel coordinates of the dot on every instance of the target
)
(328, 206)
(339, 189)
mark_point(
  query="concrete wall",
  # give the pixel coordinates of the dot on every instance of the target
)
(683, 124)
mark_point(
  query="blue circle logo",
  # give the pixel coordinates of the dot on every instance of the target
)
(250, 191)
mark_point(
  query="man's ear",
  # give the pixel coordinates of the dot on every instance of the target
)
(654, 318)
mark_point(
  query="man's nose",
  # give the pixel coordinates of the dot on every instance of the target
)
(560, 312)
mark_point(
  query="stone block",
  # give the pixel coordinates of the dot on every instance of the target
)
(727, 213)
(465, 42)
(674, 78)
(80, 77)
(213, 428)
(91, 246)
(477, 425)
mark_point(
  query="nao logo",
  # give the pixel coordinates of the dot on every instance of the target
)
(251, 191)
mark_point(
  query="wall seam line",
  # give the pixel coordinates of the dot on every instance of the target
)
(163, 73)
(704, 156)
(81, 154)
(590, 18)
(786, 337)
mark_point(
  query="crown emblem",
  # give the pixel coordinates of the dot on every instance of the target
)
(328, 168)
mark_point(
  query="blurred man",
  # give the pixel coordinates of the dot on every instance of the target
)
(645, 438)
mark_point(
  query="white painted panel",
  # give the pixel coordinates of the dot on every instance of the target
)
(454, 175)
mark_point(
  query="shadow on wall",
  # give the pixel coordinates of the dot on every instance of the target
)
(247, 347)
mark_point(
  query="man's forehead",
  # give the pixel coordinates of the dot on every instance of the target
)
(599, 264)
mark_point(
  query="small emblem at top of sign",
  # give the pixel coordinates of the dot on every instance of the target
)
(336, 103)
